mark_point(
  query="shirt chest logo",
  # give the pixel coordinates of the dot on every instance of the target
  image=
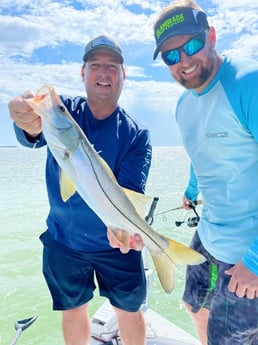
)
(216, 135)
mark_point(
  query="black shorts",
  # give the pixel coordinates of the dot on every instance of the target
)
(70, 276)
(232, 319)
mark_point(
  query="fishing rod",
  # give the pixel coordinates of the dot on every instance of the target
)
(191, 221)
(20, 326)
(192, 205)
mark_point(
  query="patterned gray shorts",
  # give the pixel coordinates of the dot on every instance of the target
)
(232, 320)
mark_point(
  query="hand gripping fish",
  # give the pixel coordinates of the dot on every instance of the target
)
(84, 171)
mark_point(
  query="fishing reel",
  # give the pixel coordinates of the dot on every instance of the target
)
(190, 221)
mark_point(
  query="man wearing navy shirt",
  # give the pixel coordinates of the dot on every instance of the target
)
(75, 243)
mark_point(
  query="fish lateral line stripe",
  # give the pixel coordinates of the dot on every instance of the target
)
(119, 210)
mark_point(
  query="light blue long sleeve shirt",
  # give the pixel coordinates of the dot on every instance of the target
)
(192, 191)
(219, 128)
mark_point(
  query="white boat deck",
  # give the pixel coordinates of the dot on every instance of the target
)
(159, 330)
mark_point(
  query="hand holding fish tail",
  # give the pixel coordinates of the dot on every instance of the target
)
(24, 116)
(125, 242)
(136, 242)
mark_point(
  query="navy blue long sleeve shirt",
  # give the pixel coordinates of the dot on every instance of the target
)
(126, 148)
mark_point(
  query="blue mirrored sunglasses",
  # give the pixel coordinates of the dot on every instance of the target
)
(191, 47)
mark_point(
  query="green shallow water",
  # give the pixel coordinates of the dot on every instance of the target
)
(24, 208)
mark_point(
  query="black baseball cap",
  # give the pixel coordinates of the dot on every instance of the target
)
(179, 21)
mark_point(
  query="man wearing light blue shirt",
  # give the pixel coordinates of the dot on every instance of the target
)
(217, 117)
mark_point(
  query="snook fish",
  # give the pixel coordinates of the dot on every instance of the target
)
(84, 171)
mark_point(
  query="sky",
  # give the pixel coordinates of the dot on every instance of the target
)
(43, 42)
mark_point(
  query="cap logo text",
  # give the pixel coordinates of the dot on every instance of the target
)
(167, 24)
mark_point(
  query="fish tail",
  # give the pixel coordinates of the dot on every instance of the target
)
(165, 269)
(175, 254)
(181, 254)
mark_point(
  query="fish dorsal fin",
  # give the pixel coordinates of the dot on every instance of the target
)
(140, 201)
(67, 188)
(108, 169)
(89, 148)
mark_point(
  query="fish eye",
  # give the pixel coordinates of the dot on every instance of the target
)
(61, 108)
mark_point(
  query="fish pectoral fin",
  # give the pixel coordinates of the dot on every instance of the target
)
(140, 201)
(121, 236)
(181, 254)
(67, 188)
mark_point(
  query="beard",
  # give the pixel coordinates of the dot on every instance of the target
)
(207, 68)
(198, 81)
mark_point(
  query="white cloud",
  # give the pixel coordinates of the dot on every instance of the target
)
(27, 26)
(54, 23)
